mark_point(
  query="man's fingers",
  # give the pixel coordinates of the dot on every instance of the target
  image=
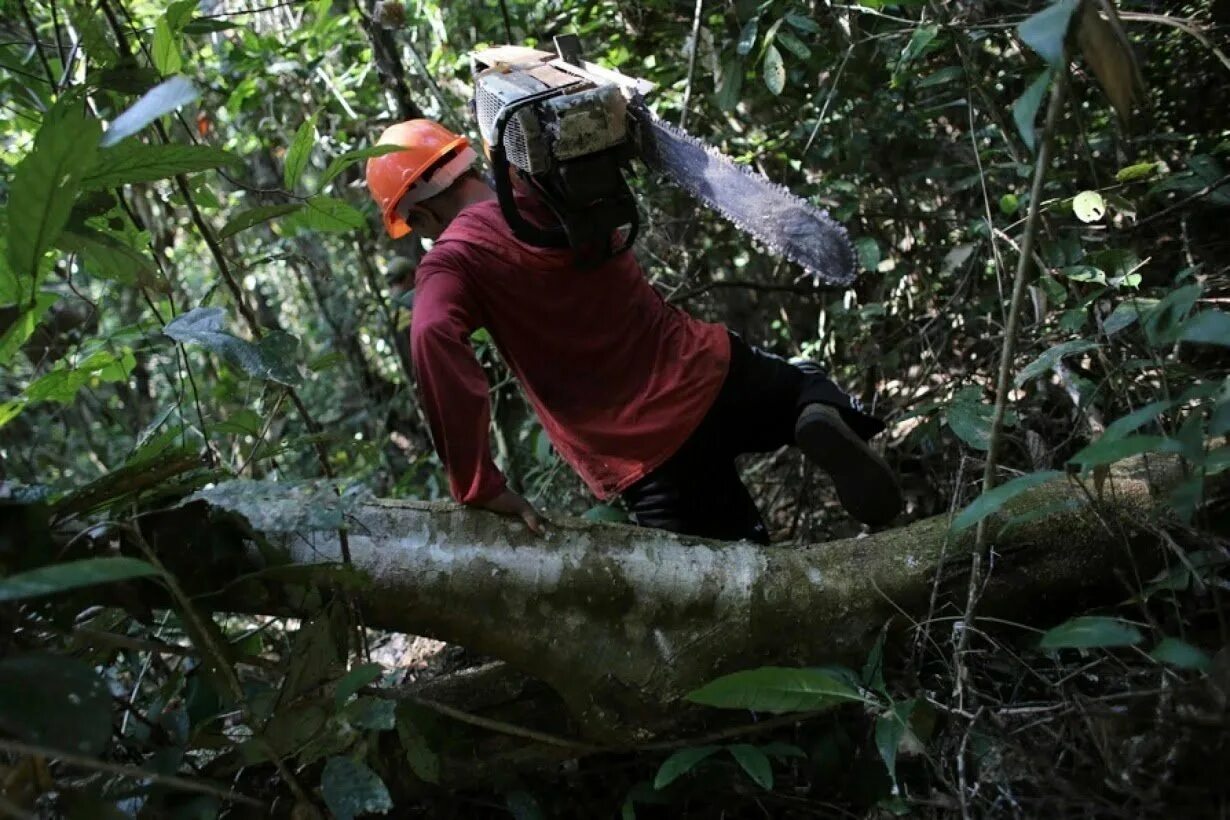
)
(533, 521)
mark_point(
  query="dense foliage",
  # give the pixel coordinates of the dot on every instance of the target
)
(194, 288)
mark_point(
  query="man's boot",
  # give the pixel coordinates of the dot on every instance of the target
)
(865, 483)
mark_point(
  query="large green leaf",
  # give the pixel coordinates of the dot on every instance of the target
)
(87, 572)
(416, 729)
(970, 419)
(680, 763)
(133, 161)
(1134, 420)
(161, 99)
(54, 701)
(23, 326)
(324, 213)
(351, 789)
(44, 186)
(1089, 632)
(61, 384)
(777, 689)
(108, 258)
(1051, 357)
(990, 503)
(755, 763)
(273, 358)
(165, 48)
(255, 216)
(1025, 109)
(891, 727)
(299, 153)
(1045, 31)
(1109, 449)
(1209, 327)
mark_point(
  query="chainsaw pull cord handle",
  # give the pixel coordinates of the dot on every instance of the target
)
(522, 227)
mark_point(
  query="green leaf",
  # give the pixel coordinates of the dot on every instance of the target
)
(1175, 652)
(340, 163)
(1009, 204)
(299, 153)
(414, 729)
(989, 503)
(868, 252)
(792, 44)
(680, 763)
(776, 689)
(140, 162)
(755, 763)
(179, 12)
(1025, 109)
(1108, 450)
(1123, 316)
(1165, 319)
(324, 213)
(1090, 632)
(255, 216)
(23, 326)
(1132, 173)
(922, 37)
(280, 506)
(108, 258)
(970, 419)
(774, 70)
(1209, 327)
(165, 49)
(1084, 273)
(1133, 421)
(804, 24)
(272, 359)
(747, 37)
(1089, 206)
(355, 680)
(55, 701)
(1051, 357)
(943, 76)
(890, 729)
(161, 99)
(372, 714)
(44, 186)
(1046, 31)
(87, 572)
(728, 92)
(351, 789)
(207, 25)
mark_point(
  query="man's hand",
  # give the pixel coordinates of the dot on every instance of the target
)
(509, 503)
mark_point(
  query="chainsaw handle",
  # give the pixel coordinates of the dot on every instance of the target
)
(522, 227)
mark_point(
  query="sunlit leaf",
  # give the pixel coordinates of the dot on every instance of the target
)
(1139, 171)
(324, 213)
(24, 325)
(1089, 206)
(341, 163)
(273, 358)
(299, 153)
(255, 216)
(165, 48)
(162, 99)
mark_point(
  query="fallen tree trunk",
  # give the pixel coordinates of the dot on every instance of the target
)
(622, 622)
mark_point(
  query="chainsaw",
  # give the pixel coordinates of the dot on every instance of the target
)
(571, 128)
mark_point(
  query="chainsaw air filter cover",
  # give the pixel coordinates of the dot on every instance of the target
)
(583, 118)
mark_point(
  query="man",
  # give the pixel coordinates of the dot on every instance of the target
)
(642, 400)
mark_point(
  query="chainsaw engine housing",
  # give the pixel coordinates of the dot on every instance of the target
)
(564, 127)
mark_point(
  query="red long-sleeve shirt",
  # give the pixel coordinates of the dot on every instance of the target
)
(618, 378)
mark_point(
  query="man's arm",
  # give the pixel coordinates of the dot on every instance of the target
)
(455, 398)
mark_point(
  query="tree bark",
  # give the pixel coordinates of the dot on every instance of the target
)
(622, 622)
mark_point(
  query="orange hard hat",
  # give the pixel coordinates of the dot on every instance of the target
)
(390, 176)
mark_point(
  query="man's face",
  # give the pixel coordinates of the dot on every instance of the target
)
(424, 222)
